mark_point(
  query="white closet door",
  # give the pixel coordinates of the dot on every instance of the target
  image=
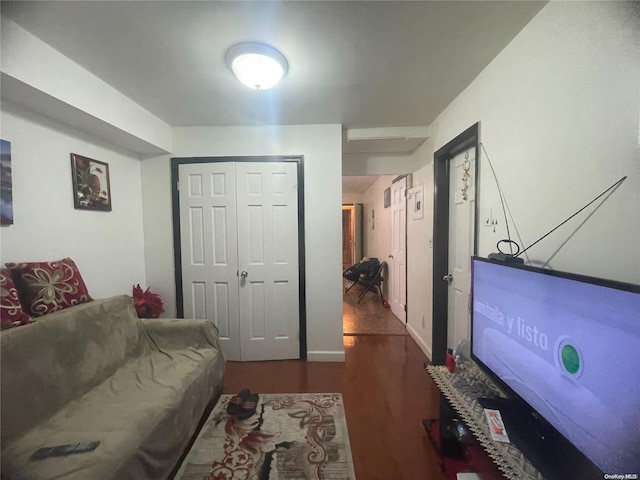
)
(208, 232)
(268, 260)
(239, 241)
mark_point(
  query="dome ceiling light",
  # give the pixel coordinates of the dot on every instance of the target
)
(258, 66)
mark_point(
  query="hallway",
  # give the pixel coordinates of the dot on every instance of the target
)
(369, 317)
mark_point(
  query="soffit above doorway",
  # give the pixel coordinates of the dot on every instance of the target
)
(385, 140)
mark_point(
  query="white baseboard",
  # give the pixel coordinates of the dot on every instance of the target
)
(325, 356)
(423, 346)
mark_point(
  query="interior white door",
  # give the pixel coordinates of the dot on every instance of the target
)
(397, 274)
(239, 240)
(209, 250)
(267, 202)
(461, 238)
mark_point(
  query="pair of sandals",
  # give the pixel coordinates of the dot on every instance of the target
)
(243, 404)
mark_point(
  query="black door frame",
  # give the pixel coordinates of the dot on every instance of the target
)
(441, 172)
(177, 245)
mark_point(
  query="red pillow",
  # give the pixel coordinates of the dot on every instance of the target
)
(46, 287)
(11, 313)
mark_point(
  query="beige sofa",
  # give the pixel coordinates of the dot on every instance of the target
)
(96, 372)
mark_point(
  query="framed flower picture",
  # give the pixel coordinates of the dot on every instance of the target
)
(91, 188)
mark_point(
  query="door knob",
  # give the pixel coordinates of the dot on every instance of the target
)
(448, 278)
(244, 274)
(390, 256)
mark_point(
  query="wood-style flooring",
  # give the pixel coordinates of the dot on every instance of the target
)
(386, 393)
(369, 317)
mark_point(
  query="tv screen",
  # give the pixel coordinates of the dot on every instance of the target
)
(569, 346)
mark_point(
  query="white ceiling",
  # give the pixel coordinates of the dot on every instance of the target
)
(357, 63)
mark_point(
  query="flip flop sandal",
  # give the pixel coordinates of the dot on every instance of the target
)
(235, 404)
(249, 406)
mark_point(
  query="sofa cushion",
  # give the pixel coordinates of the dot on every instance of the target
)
(143, 417)
(64, 355)
(46, 287)
(11, 313)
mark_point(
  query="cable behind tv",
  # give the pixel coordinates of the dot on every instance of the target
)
(505, 207)
(612, 188)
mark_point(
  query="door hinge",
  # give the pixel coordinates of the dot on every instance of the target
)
(405, 307)
(178, 186)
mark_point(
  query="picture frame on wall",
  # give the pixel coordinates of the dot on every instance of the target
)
(6, 184)
(91, 184)
(387, 197)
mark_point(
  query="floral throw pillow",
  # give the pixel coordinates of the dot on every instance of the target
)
(11, 313)
(46, 287)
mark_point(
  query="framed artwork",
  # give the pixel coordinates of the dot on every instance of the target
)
(91, 188)
(418, 202)
(6, 184)
(387, 197)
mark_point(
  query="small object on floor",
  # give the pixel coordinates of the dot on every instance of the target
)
(235, 404)
(468, 476)
(249, 406)
(64, 450)
(386, 304)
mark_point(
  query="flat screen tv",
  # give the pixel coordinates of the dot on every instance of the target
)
(566, 350)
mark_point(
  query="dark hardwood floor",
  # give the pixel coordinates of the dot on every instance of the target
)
(386, 393)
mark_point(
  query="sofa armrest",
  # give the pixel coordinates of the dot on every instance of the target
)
(179, 333)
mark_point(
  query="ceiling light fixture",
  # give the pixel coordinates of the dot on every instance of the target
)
(256, 65)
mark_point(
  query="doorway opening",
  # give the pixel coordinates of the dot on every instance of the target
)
(351, 234)
(367, 314)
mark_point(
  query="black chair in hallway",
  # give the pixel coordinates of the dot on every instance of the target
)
(369, 274)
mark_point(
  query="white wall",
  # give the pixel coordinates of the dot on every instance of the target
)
(321, 146)
(560, 116)
(349, 198)
(108, 247)
(378, 164)
(377, 233)
(420, 256)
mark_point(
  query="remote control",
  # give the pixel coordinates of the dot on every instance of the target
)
(63, 450)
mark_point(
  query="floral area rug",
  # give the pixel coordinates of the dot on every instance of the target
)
(290, 437)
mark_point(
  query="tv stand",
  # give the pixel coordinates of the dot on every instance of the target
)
(536, 439)
(460, 391)
(535, 446)
(537, 451)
